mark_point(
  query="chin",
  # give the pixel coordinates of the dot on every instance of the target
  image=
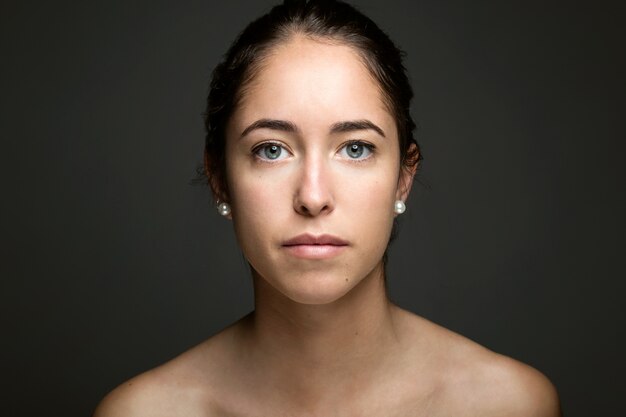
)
(315, 290)
(317, 297)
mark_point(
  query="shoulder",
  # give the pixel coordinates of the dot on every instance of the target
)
(491, 384)
(187, 385)
(473, 380)
(163, 391)
(499, 385)
(140, 395)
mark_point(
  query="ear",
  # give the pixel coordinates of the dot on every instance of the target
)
(405, 180)
(219, 194)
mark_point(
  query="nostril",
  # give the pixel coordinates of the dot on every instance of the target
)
(312, 209)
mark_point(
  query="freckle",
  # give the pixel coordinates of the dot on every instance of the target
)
(346, 279)
(356, 333)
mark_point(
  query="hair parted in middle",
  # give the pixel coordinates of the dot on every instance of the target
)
(324, 20)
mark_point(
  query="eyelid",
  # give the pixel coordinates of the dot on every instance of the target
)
(358, 142)
(259, 146)
(369, 146)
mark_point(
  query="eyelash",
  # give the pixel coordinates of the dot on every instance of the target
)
(259, 147)
(370, 147)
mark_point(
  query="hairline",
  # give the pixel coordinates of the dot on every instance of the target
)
(287, 35)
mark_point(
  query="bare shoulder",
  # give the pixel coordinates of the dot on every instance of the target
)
(520, 389)
(164, 391)
(496, 385)
(186, 385)
(473, 380)
(150, 393)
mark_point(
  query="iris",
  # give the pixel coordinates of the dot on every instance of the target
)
(272, 151)
(355, 150)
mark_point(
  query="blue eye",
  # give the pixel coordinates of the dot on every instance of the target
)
(357, 150)
(270, 151)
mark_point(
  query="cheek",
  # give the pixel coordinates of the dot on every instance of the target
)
(259, 191)
(366, 204)
(260, 204)
(372, 193)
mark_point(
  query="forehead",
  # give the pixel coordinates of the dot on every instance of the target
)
(313, 82)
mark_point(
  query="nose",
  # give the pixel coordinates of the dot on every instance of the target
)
(313, 195)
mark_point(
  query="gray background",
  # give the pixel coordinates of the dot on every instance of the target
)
(112, 263)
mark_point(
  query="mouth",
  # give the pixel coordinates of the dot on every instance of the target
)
(309, 246)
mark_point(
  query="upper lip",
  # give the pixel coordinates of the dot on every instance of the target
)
(309, 239)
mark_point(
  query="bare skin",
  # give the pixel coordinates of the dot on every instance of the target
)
(420, 369)
(324, 340)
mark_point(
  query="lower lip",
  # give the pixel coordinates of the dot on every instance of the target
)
(315, 251)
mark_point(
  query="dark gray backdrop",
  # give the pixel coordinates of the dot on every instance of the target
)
(112, 263)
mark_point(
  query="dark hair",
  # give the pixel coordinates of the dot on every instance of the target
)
(328, 19)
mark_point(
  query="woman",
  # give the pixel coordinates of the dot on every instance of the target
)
(310, 153)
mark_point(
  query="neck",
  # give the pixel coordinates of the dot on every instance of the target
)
(313, 347)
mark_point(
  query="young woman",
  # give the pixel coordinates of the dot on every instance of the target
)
(310, 153)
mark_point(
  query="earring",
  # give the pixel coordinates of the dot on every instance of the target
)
(399, 207)
(223, 209)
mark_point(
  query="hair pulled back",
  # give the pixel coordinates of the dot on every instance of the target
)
(330, 20)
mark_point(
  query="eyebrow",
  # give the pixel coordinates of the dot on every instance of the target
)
(352, 125)
(339, 127)
(273, 124)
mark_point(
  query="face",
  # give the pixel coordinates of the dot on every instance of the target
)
(313, 168)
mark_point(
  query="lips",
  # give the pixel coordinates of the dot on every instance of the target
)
(309, 246)
(307, 239)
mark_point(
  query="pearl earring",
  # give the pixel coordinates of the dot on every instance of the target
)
(223, 209)
(399, 207)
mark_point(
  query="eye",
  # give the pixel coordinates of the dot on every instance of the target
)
(357, 150)
(270, 151)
